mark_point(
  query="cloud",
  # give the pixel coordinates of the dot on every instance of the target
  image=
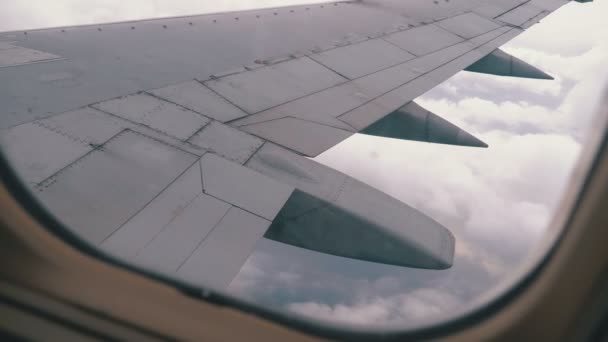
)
(530, 107)
(502, 195)
(497, 201)
(405, 307)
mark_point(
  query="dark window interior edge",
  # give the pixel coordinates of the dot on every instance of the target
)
(19, 191)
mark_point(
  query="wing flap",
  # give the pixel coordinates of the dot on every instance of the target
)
(128, 240)
(204, 225)
(168, 250)
(243, 187)
(219, 257)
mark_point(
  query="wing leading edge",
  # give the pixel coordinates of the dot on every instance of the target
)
(178, 143)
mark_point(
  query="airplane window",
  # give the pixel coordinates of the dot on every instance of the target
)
(374, 163)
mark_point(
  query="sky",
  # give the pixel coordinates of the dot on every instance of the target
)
(497, 201)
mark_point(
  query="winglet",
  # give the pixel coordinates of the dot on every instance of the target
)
(501, 63)
(412, 122)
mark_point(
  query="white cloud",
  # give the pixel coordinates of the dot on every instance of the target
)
(375, 312)
(498, 201)
(485, 84)
(504, 194)
(288, 278)
(249, 277)
(573, 107)
(405, 307)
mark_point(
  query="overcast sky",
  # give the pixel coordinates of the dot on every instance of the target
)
(497, 201)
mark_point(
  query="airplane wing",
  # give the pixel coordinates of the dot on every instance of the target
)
(178, 143)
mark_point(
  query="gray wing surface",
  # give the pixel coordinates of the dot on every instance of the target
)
(178, 143)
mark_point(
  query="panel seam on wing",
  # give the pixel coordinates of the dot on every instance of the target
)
(202, 82)
(297, 118)
(252, 115)
(204, 238)
(50, 180)
(426, 73)
(512, 9)
(248, 168)
(60, 132)
(150, 202)
(149, 92)
(185, 142)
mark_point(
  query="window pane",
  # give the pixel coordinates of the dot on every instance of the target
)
(277, 155)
